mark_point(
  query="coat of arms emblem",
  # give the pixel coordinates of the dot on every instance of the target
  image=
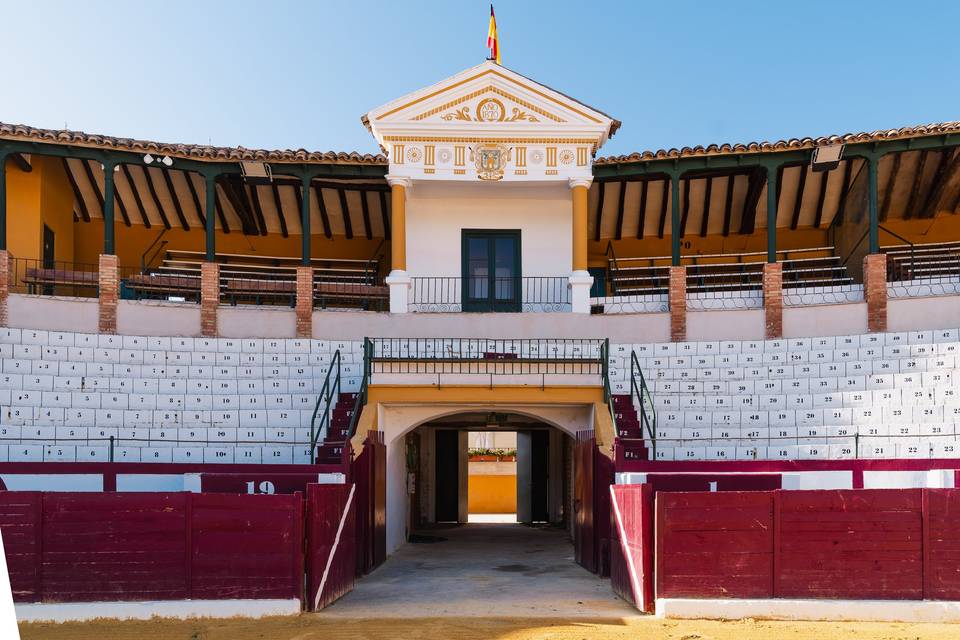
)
(490, 161)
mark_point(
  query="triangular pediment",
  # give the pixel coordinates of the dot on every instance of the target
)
(488, 105)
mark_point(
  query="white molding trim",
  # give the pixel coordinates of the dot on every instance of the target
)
(581, 182)
(832, 610)
(401, 181)
(180, 609)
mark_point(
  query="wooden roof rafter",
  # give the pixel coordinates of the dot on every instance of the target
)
(125, 170)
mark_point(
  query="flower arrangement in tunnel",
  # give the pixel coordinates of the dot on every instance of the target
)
(483, 454)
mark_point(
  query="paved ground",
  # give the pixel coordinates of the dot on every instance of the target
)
(483, 570)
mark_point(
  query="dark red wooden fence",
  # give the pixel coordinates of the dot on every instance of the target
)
(331, 542)
(631, 543)
(859, 544)
(369, 473)
(81, 547)
(593, 474)
(716, 545)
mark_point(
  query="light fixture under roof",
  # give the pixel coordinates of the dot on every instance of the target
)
(826, 157)
(256, 172)
(148, 159)
(167, 160)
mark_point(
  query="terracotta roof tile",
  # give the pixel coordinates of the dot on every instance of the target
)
(784, 145)
(192, 151)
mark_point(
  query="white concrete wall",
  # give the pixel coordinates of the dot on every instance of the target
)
(735, 324)
(437, 213)
(155, 318)
(914, 314)
(53, 313)
(175, 319)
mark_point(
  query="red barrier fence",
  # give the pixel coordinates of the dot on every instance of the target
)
(332, 542)
(82, 547)
(631, 543)
(860, 544)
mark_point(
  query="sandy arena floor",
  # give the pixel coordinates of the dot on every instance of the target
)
(319, 627)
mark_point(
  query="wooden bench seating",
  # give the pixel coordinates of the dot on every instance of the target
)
(42, 276)
(815, 267)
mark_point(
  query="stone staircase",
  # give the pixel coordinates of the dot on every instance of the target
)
(629, 432)
(330, 451)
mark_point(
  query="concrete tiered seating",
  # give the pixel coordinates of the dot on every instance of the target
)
(63, 395)
(920, 261)
(890, 395)
(716, 273)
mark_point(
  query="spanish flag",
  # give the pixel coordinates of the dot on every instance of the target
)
(493, 43)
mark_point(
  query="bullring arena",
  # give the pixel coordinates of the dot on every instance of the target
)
(487, 383)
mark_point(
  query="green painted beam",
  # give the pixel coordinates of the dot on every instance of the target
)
(109, 228)
(210, 182)
(675, 219)
(104, 156)
(3, 201)
(874, 232)
(305, 219)
(772, 188)
(751, 158)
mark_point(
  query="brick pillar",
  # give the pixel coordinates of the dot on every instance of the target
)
(109, 293)
(773, 299)
(4, 285)
(304, 302)
(678, 303)
(209, 298)
(875, 290)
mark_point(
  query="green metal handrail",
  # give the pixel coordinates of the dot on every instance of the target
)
(642, 391)
(607, 393)
(361, 400)
(329, 392)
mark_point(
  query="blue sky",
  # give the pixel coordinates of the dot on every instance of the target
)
(299, 74)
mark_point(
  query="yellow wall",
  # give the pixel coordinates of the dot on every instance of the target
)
(23, 212)
(56, 205)
(492, 494)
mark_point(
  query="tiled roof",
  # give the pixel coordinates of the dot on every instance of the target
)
(193, 151)
(784, 145)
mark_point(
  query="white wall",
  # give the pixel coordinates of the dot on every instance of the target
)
(914, 314)
(437, 213)
(824, 320)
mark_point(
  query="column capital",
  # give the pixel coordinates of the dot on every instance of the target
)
(581, 182)
(399, 181)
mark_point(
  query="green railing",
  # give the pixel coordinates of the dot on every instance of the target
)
(329, 393)
(361, 400)
(607, 393)
(648, 413)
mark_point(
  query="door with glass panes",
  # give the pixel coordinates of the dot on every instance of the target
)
(491, 270)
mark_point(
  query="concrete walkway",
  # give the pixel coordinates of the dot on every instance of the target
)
(501, 570)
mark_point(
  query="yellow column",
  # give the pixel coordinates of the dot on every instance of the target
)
(398, 224)
(579, 189)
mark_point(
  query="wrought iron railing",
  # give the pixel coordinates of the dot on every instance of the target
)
(507, 294)
(327, 401)
(640, 391)
(173, 286)
(486, 356)
(361, 400)
(54, 278)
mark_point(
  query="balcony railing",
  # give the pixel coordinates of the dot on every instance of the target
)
(54, 278)
(454, 295)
